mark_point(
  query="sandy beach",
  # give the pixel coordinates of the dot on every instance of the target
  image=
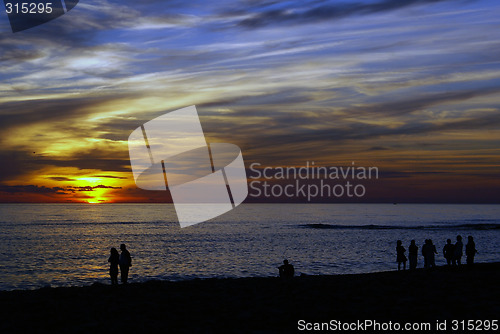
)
(257, 305)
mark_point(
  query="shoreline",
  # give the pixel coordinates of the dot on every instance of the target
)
(298, 275)
(258, 304)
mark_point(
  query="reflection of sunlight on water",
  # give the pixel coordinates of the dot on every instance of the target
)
(64, 245)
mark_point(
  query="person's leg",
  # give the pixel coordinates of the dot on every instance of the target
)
(404, 265)
(125, 275)
(113, 275)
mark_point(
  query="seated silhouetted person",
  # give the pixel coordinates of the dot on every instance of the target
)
(470, 250)
(286, 270)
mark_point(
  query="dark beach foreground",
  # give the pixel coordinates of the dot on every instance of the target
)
(258, 305)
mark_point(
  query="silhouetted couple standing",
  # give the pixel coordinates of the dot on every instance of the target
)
(124, 260)
(428, 251)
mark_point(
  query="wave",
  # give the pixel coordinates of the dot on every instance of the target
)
(71, 222)
(400, 227)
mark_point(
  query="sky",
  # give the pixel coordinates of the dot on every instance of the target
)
(409, 86)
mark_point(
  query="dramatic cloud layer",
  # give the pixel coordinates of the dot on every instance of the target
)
(409, 86)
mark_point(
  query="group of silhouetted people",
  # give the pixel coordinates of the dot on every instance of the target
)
(452, 253)
(124, 260)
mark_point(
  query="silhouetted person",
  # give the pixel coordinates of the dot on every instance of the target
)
(470, 250)
(113, 260)
(432, 252)
(448, 251)
(401, 258)
(425, 246)
(125, 263)
(413, 255)
(286, 270)
(428, 251)
(458, 251)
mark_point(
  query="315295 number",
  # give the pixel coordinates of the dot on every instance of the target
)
(28, 8)
(474, 325)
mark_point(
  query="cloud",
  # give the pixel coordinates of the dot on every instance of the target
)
(416, 102)
(54, 110)
(90, 188)
(17, 54)
(110, 177)
(327, 10)
(61, 178)
(90, 163)
(305, 115)
(13, 164)
(34, 189)
(377, 148)
(379, 87)
(17, 163)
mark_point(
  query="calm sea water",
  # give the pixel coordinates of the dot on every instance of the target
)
(68, 244)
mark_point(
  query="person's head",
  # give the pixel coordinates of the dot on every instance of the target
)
(470, 238)
(459, 238)
(113, 251)
(426, 241)
(448, 241)
(123, 247)
(399, 242)
(285, 261)
(412, 242)
(430, 241)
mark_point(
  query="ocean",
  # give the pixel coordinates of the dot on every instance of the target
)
(68, 244)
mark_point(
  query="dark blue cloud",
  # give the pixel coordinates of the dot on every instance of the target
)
(314, 11)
